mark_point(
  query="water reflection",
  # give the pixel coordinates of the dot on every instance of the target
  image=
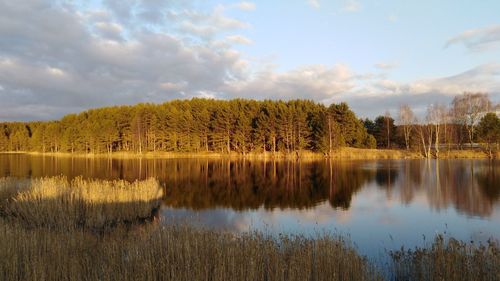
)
(379, 204)
(472, 187)
(244, 185)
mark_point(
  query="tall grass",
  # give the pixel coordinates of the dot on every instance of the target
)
(47, 232)
(60, 203)
(349, 153)
(173, 253)
(448, 260)
(361, 153)
(9, 188)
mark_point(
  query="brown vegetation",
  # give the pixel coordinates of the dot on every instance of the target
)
(339, 153)
(57, 202)
(448, 260)
(48, 233)
(39, 243)
(174, 253)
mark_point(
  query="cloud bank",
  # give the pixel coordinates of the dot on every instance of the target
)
(59, 57)
(478, 39)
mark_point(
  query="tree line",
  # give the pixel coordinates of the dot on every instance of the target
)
(244, 126)
(196, 125)
(469, 119)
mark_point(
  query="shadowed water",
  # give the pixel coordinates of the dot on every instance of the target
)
(379, 204)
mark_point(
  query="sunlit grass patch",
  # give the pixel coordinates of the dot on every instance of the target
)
(59, 202)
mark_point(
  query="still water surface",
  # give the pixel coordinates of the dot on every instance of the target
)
(380, 204)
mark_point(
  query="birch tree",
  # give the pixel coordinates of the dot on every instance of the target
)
(406, 121)
(436, 115)
(468, 108)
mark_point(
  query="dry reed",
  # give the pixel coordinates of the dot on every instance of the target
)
(448, 260)
(155, 252)
(58, 202)
(9, 188)
(46, 230)
(349, 153)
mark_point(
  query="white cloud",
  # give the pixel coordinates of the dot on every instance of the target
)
(109, 30)
(71, 60)
(352, 6)
(369, 99)
(392, 18)
(478, 39)
(206, 94)
(317, 82)
(56, 71)
(387, 86)
(205, 25)
(484, 78)
(65, 65)
(169, 86)
(239, 39)
(386, 66)
(246, 6)
(314, 3)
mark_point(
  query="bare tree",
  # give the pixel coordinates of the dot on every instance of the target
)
(468, 108)
(436, 117)
(406, 121)
(447, 136)
(425, 133)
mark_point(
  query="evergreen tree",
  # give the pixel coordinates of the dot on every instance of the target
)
(488, 131)
(194, 125)
(4, 140)
(385, 131)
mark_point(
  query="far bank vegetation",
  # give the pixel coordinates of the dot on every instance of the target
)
(469, 124)
(245, 127)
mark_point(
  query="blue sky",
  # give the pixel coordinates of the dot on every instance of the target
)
(58, 57)
(409, 34)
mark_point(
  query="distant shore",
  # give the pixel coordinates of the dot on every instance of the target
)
(346, 153)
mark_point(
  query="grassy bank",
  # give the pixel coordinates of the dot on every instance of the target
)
(173, 253)
(155, 252)
(55, 229)
(48, 232)
(341, 153)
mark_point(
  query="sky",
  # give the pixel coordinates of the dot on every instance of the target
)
(59, 57)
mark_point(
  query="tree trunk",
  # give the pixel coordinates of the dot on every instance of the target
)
(330, 136)
(228, 143)
(422, 138)
(274, 144)
(471, 135)
(406, 129)
(436, 142)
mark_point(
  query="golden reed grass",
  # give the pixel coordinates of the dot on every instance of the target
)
(448, 260)
(155, 252)
(347, 153)
(39, 243)
(58, 202)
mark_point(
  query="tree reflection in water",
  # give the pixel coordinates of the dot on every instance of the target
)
(470, 186)
(272, 184)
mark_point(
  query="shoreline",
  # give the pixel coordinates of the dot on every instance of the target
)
(345, 153)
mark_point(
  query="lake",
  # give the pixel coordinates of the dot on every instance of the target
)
(380, 204)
